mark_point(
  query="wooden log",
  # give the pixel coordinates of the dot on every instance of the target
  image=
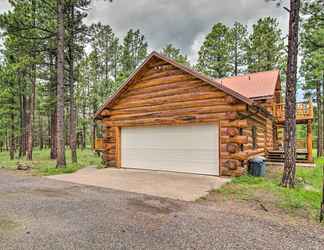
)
(240, 156)
(256, 120)
(232, 148)
(232, 132)
(159, 63)
(169, 93)
(231, 164)
(231, 100)
(105, 112)
(170, 120)
(160, 74)
(108, 157)
(158, 88)
(170, 106)
(165, 67)
(239, 139)
(168, 99)
(185, 111)
(253, 152)
(163, 80)
(235, 124)
(104, 120)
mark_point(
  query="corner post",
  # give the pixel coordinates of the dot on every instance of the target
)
(309, 141)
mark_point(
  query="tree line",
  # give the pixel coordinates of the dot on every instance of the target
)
(56, 71)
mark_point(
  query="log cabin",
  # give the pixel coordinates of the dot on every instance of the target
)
(169, 117)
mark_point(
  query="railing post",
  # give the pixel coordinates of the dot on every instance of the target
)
(310, 103)
(309, 141)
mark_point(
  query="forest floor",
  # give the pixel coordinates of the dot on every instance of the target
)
(266, 194)
(43, 165)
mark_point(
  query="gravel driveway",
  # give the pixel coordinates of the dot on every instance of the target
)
(39, 213)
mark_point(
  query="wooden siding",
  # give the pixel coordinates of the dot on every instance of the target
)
(165, 95)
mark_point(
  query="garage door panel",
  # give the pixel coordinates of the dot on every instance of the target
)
(191, 149)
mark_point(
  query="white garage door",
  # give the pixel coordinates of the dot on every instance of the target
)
(188, 149)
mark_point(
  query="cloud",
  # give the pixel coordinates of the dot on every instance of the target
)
(4, 6)
(183, 23)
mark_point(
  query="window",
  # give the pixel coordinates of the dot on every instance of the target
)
(254, 137)
(241, 145)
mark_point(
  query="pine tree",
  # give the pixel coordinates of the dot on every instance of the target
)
(214, 54)
(61, 162)
(133, 52)
(238, 48)
(288, 178)
(174, 53)
(265, 49)
(105, 44)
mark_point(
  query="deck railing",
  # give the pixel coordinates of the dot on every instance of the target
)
(304, 111)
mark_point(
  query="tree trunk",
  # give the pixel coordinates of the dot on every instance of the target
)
(12, 133)
(25, 124)
(73, 113)
(319, 120)
(7, 140)
(41, 137)
(32, 97)
(84, 128)
(94, 128)
(236, 55)
(288, 178)
(52, 120)
(53, 137)
(22, 125)
(31, 110)
(61, 162)
(93, 136)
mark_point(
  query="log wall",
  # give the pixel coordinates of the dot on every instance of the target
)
(165, 95)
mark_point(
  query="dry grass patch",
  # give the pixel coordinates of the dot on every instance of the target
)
(266, 193)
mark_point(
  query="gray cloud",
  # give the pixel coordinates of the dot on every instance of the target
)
(4, 6)
(183, 23)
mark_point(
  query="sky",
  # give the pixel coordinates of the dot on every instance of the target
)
(184, 23)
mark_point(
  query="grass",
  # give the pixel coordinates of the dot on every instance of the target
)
(304, 200)
(43, 165)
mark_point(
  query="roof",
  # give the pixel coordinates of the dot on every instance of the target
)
(253, 85)
(155, 55)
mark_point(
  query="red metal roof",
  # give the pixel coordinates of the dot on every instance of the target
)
(253, 85)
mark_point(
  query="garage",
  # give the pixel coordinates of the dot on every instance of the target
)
(187, 149)
(169, 117)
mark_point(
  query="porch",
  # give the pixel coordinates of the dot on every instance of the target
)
(304, 146)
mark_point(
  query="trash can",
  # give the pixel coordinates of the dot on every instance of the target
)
(257, 166)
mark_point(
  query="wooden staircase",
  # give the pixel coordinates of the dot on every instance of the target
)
(279, 156)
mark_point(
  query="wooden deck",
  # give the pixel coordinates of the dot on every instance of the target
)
(304, 112)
